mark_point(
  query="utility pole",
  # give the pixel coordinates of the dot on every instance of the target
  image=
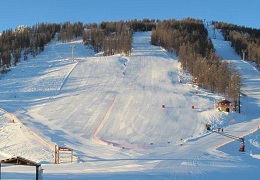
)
(239, 104)
(214, 33)
(239, 101)
(72, 52)
(244, 54)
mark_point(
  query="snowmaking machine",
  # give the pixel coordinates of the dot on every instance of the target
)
(220, 132)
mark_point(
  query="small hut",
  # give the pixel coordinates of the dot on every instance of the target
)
(22, 161)
(224, 106)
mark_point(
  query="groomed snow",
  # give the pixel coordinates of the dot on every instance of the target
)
(109, 111)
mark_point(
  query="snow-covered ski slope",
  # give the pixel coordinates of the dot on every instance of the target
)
(109, 110)
(250, 75)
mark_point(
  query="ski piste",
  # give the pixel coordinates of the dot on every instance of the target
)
(222, 133)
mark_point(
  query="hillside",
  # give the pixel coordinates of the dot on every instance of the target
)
(109, 111)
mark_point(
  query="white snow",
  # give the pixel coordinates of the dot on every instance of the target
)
(109, 111)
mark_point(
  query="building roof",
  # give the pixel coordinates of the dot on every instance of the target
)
(19, 161)
(224, 102)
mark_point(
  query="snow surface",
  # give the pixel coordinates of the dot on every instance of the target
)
(109, 111)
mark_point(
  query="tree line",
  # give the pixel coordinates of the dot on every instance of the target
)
(115, 37)
(188, 38)
(24, 41)
(244, 40)
(109, 37)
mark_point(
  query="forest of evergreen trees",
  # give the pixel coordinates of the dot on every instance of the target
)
(18, 44)
(187, 38)
(109, 37)
(115, 37)
(243, 39)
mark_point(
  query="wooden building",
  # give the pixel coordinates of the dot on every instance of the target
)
(22, 161)
(225, 106)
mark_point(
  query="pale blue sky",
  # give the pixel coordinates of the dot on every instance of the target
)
(30, 12)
